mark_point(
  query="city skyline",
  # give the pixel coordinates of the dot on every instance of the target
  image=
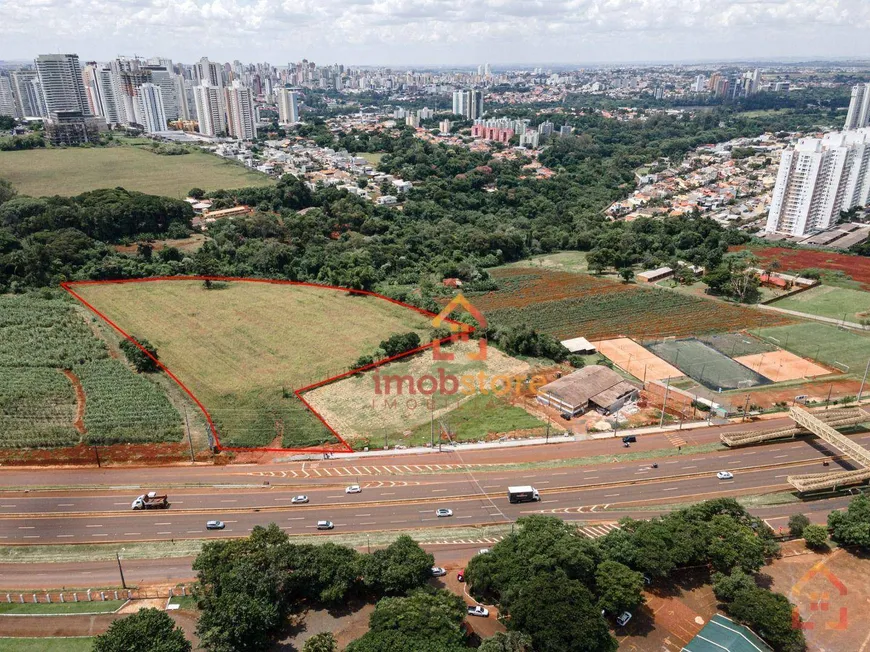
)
(444, 32)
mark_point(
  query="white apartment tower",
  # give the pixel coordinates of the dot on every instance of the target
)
(152, 108)
(240, 112)
(28, 94)
(62, 85)
(818, 179)
(206, 72)
(468, 103)
(111, 103)
(209, 109)
(859, 107)
(7, 98)
(288, 106)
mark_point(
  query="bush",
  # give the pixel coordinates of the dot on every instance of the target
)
(138, 358)
(149, 630)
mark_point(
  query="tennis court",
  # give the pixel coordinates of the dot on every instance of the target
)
(782, 365)
(630, 356)
(711, 368)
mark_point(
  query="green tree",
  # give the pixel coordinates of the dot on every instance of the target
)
(7, 191)
(770, 616)
(148, 630)
(734, 545)
(796, 524)
(196, 193)
(323, 642)
(618, 587)
(398, 568)
(627, 273)
(138, 358)
(816, 537)
(852, 527)
(507, 642)
(559, 614)
(725, 587)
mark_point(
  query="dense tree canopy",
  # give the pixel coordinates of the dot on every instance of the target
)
(148, 630)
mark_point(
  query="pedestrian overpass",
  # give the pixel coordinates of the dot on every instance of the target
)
(824, 425)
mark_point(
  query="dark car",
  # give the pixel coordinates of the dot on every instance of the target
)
(629, 439)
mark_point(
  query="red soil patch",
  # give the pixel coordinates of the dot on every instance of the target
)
(79, 422)
(116, 455)
(793, 260)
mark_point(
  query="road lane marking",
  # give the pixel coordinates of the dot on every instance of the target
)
(160, 533)
(64, 536)
(132, 534)
(26, 527)
(368, 523)
(163, 524)
(362, 515)
(435, 491)
(671, 489)
(93, 526)
(610, 495)
(69, 504)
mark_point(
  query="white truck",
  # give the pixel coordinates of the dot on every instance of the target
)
(523, 494)
(151, 500)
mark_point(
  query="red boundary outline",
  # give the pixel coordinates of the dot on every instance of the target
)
(344, 447)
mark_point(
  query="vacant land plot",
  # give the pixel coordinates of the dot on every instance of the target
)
(372, 157)
(837, 348)
(562, 261)
(370, 409)
(828, 301)
(706, 365)
(40, 339)
(630, 356)
(242, 349)
(781, 365)
(795, 260)
(72, 171)
(570, 305)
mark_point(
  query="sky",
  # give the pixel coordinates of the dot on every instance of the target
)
(432, 32)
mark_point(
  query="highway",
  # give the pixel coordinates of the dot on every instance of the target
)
(476, 496)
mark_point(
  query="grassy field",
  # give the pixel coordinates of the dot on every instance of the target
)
(563, 261)
(75, 644)
(72, 171)
(827, 344)
(372, 157)
(84, 607)
(364, 409)
(827, 301)
(243, 349)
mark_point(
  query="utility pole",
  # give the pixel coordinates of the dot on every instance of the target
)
(97, 454)
(745, 407)
(548, 430)
(189, 438)
(828, 401)
(665, 401)
(120, 570)
(863, 380)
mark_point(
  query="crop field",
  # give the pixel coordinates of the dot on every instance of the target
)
(42, 337)
(368, 409)
(844, 350)
(829, 301)
(795, 260)
(75, 170)
(244, 348)
(577, 305)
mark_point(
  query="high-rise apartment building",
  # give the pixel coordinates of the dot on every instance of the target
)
(240, 112)
(819, 178)
(151, 108)
(207, 72)
(859, 107)
(468, 103)
(210, 109)
(288, 106)
(7, 98)
(28, 94)
(62, 85)
(112, 106)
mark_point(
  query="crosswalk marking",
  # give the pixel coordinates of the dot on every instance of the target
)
(313, 471)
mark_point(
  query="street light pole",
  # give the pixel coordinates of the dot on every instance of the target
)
(665, 401)
(863, 380)
(120, 570)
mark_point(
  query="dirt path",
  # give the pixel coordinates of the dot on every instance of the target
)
(79, 423)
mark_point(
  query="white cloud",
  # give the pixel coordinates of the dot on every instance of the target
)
(435, 31)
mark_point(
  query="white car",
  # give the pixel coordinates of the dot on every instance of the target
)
(483, 551)
(441, 513)
(623, 618)
(725, 475)
(325, 525)
(298, 500)
(437, 571)
(353, 489)
(215, 525)
(483, 612)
